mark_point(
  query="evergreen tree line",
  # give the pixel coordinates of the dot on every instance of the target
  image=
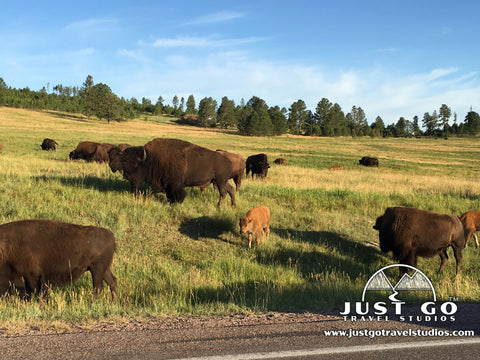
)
(254, 118)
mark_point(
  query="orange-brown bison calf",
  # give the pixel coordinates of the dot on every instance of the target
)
(255, 222)
(52, 253)
(336, 167)
(471, 222)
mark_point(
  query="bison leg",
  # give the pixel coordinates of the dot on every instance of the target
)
(457, 251)
(443, 260)
(469, 235)
(36, 286)
(257, 238)
(476, 240)
(111, 281)
(249, 240)
(175, 194)
(238, 181)
(223, 193)
(408, 259)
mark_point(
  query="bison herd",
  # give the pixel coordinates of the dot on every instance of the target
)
(45, 253)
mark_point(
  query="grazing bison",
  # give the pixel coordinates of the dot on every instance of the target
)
(91, 151)
(471, 222)
(255, 222)
(238, 167)
(258, 165)
(52, 253)
(368, 161)
(170, 165)
(114, 156)
(49, 144)
(409, 233)
(280, 161)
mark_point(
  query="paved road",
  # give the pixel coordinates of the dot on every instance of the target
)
(274, 336)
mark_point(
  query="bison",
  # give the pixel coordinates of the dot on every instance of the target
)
(258, 165)
(257, 221)
(409, 233)
(368, 161)
(238, 167)
(471, 222)
(49, 144)
(114, 157)
(336, 167)
(280, 161)
(91, 151)
(53, 253)
(170, 165)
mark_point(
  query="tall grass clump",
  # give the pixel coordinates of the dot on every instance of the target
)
(190, 259)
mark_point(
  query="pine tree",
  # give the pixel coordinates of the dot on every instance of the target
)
(191, 105)
(226, 115)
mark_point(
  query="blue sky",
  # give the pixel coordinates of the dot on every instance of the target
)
(392, 58)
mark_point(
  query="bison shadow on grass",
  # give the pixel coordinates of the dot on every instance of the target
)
(88, 182)
(342, 255)
(206, 227)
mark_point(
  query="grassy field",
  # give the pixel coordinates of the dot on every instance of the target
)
(190, 259)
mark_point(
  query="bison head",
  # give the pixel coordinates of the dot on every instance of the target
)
(244, 224)
(383, 235)
(73, 155)
(115, 159)
(132, 162)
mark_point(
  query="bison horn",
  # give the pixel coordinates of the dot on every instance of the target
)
(144, 154)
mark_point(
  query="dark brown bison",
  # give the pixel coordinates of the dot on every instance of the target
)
(238, 167)
(49, 144)
(170, 165)
(91, 151)
(471, 222)
(114, 157)
(258, 165)
(409, 233)
(280, 161)
(368, 161)
(52, 253)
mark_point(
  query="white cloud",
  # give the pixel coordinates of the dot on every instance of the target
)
(91, 25)
(201, 42)
(237, 75)
(213, 18)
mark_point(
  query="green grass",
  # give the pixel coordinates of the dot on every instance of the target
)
(190, 259)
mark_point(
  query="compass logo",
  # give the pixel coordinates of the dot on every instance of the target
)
(418, 281)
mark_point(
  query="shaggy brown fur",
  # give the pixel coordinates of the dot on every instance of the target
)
(91, 151)
(53, 253)
(238, 167)
(409, 233)
(170, 165)
(49, 144)
(257, 221)
(258, 165)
